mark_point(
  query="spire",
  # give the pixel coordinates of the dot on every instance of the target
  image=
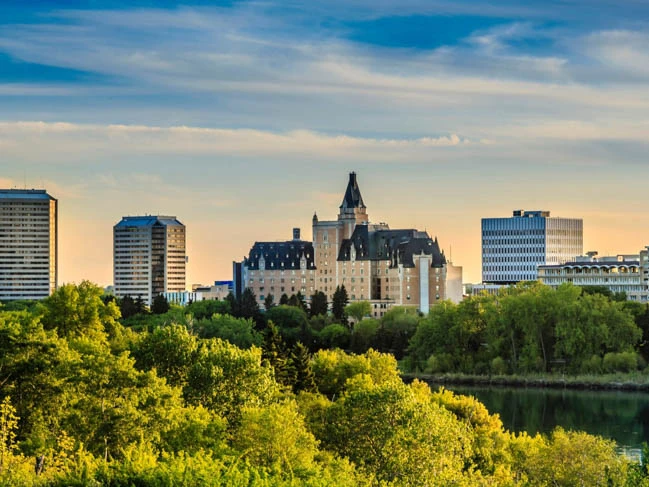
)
(353, 198)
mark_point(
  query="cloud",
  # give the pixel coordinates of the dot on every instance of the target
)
(43, 140)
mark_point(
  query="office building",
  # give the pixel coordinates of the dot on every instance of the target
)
(513, 248)
(28, 244)
(149, 256)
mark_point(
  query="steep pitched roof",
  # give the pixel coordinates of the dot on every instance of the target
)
(352, 198)
(281, 255)
(370, 242)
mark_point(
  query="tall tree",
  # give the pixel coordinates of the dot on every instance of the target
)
(249, 308)
(160, 305)
(284, 299)
(274, 351)
(340, 301)
(127, 307)
(319, 304)
(268, 302)
(304, 376)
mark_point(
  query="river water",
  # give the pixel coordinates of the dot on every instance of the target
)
(620, 416)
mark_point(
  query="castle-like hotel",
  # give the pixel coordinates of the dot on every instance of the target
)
(375, 263)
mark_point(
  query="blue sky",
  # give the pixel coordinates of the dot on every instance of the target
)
(242, 118)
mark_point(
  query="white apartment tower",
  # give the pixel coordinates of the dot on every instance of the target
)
(513, 248)
(148, 256)
(28, 244)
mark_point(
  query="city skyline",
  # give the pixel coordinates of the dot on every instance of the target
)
(243, 119)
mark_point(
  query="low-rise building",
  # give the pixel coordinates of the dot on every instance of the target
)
(619, 273)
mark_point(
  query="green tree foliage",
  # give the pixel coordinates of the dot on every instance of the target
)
(332, 369)
(160, 305)
(292, 323)
(364, 335)
(127, 307)
(284, 299)
(224, 379)
(170, 350)
(209, 307)
(304, 378)
(85, 402)
(249, 308)
(268, 302)
(74, 310)
(298, 301)
(276, 354)
(238, 331)
(334, 336)
(339, 302)
(319, 304)
(358, 310)
(524, 329)
(398, 326)
(397, 433)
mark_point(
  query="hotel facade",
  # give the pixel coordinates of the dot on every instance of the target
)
(28, 244)
(386, 267)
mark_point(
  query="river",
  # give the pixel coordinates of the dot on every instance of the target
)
(617, 415)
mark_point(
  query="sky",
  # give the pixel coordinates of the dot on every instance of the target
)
(243, 118)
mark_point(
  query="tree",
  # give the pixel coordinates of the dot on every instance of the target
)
(268, 302)
(234, 304)
(358, 310)
(319, 305)
(160, 305)
(75, 310)
(292, 323)
(249, 308)
(334, 336)
(276, 354)
(283, 299)
(140, 306)
(340, 300)
(238, 331)
(364, 334)
(209, 307)
(298, 301)
(304, 378)
(127, 307)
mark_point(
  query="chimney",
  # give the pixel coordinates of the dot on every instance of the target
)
(296, 234)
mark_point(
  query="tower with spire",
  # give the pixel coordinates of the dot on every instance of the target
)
(352, 210)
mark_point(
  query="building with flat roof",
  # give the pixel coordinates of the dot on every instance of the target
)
(148, 256)
(513, 248)
(28, 244)
(627, 274)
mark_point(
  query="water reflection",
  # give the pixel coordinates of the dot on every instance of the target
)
(621, 416)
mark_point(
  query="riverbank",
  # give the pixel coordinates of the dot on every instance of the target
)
(622, 382)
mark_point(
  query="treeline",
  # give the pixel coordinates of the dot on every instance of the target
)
(85, 400)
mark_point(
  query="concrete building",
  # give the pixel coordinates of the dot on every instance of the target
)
(28, 244)
(619, 273)
(375, 263)
(148, 256)
(513, 248)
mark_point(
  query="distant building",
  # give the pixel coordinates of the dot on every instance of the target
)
(218, 291)
(513, 248)
(619, 273)
(276, 268)
(28, 244)
(375, 263)
(149, 256)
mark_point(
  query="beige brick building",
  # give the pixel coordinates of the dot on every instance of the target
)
(375, 263)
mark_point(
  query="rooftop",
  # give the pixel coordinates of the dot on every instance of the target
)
(24, 194)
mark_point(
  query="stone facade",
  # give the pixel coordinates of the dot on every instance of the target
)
(374, 263)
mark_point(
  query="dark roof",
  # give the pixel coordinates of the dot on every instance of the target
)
(352, 198)
(397, 246)
(148, 221)
(24, 194)
(281, 255)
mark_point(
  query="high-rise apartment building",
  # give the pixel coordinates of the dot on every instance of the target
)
(148, 256)
(513, 248)
(28, 244)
